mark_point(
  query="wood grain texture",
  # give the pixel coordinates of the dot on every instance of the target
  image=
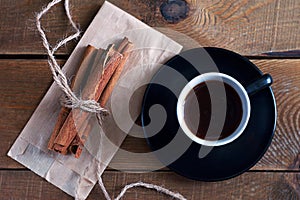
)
(268, 28)
(284, 153)
(248, 27)
(24, 82)
(252, 185)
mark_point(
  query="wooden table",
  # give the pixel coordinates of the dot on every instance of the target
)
(267, 31)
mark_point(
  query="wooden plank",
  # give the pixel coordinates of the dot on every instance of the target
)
(24, 82)
(251, 185)
(248, 27)
(284, 152)
(22, 86)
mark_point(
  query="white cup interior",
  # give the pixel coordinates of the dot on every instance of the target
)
(214, 76)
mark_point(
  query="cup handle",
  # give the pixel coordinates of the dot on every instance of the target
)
(259, 84)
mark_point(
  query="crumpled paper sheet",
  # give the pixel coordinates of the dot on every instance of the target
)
(78, 176)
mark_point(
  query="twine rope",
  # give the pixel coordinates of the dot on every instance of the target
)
(140, 184)
(72, 101)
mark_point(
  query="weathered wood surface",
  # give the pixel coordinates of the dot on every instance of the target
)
(251, 185)
(248, 27)
(22, 85)
(284, 152)
(24, 82)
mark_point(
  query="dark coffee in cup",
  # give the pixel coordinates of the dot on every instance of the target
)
(213, 109)
(199, 103)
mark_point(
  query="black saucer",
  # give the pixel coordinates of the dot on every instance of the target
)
(174, 149)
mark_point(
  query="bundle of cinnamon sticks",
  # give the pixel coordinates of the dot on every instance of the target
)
(95, 79)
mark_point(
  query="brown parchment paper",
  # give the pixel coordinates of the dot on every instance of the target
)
(78, 176)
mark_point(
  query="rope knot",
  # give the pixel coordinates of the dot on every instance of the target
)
(91, 106)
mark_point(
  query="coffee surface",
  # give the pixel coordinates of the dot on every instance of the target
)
(198, 112)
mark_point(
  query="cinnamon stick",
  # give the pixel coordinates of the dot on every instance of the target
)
(115, 77)
(78, 142)
(123, 44)
(64, 112)
(124, 48)
(92, 90)
(91, 82)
